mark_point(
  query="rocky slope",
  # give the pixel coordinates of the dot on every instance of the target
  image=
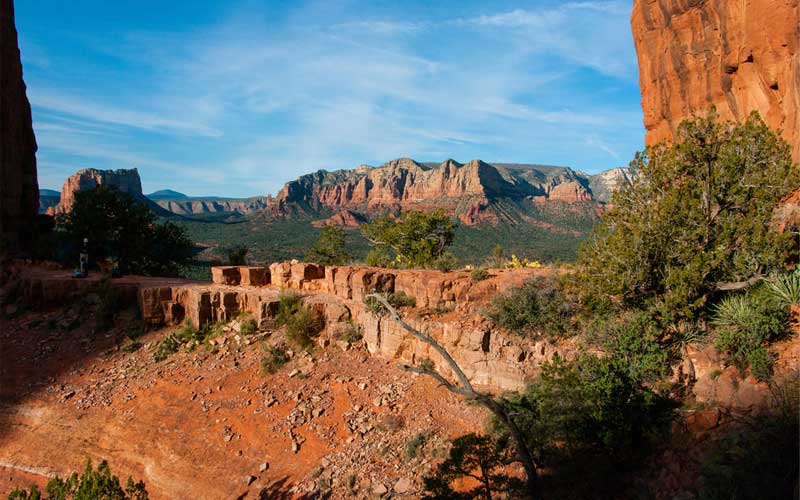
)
(19, 188)
(198, 206)
(738, 56)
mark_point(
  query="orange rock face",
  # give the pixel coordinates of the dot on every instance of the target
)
(738, 56)
(127, 181)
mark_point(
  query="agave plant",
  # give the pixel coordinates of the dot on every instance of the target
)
(733, 311)
(786, 287)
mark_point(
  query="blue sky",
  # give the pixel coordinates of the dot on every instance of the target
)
(235, 98)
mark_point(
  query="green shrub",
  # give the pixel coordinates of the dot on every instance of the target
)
(697, 215)
(395, 299)
(329, 249)
(589, 422)
(786, 287)
(759, 459)
(248, 324)
(236, 255)
(479, 274)
(300, 322)
(274, 359)
(746, 323)
(91, 485)
(633, 338)
(348, 331)
(445, 262)
(417, 443)
(418, 239)
(187, 336)
(542, 306)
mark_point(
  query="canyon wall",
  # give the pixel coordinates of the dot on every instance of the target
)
(739, 56)
(19, 187)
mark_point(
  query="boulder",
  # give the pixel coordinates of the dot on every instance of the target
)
(253, 276)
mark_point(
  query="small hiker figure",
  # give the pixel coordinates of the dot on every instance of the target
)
(83, 272)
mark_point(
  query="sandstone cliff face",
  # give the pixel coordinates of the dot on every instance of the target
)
(192, 206)
(19, 188)
(127, 181)
(739, 56)
(474, 192)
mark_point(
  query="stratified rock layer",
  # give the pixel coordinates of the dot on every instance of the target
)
(19, 188)
(738, 56)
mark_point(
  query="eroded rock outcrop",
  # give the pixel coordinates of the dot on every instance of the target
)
(19, 187)
(738, 56)
(126, 180)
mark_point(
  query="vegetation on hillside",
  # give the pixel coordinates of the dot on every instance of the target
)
(330, 248)
(686, 253)
(90, 485)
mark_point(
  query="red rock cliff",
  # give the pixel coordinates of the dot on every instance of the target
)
(19, 188)
(127, 181)
(737, 55)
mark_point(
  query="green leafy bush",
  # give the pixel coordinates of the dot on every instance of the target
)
(91, 485)
(634, 339)
(300, 322)
(122, 228)
(274, 359)
(589, 422)
(479, 275)
(746, 323)
(348, 331)
(248, 324)
(236, 255)
(396, 299)
(542, 306)
(697, 215)
(329, 249)
(445, 262)
(418, 239)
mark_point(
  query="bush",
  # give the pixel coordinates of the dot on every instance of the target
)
(91, 485)
(300, 322)
(757, 460)
(786, 287)
(248, 324)
(541, 306)
(633, 338)
(589, 422)
(121, 228)
(418, 239)
(107, 305)
(348, 331)
(697, 215)
(445, 262)
(417, 443)
(185, 336)
(236, 255)
(479, 275)
(329, 249)
(274, 359)
(395, 299)
(746, 323)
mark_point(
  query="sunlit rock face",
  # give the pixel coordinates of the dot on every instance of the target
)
(19, 187)
(739, 56)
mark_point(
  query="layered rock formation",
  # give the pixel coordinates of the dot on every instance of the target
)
(19, 188)
(738, 56)
(197, 206)
(125, 180)
(475, 192)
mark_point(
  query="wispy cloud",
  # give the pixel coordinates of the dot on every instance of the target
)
(265, 94)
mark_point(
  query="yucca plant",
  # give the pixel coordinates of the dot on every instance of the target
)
(786, 287)
(733, 311)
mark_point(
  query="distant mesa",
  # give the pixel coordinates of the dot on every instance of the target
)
(166, 194)
(125, 180)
